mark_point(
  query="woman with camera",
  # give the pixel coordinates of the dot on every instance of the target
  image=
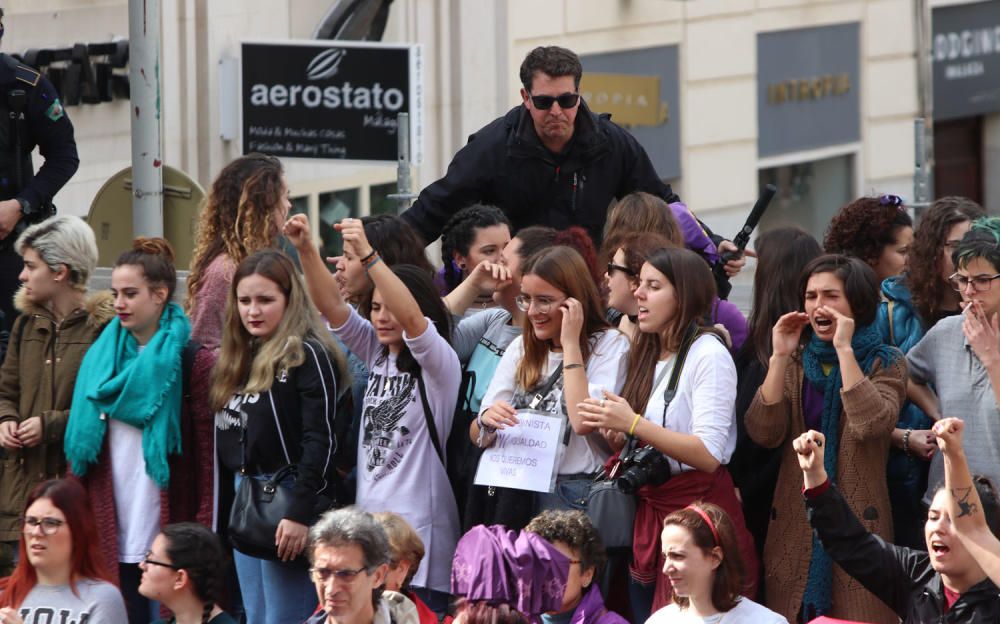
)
(846, 382)
(677, 404)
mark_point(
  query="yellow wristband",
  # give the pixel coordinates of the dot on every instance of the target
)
(635, 421)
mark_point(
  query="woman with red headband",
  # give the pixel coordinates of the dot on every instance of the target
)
(706, 571)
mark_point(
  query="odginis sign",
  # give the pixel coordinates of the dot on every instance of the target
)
(308, 99)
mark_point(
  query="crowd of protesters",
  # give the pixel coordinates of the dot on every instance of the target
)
(323, 427)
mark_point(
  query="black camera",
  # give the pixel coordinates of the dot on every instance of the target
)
(642, 466)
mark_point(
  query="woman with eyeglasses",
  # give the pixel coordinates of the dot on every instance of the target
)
(688, 435)
(60, 574)
(955, 368)
(184, 571)
(912, 303)
(402, 333)
(626, 253)
(566, 353)
(846, 382)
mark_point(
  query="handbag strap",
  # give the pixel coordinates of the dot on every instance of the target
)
(545, 389)
(429, 419)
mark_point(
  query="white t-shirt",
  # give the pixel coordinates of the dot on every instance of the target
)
(705, 402)
(605, 371)
(137, 499)
(398, 467)
(746, 611)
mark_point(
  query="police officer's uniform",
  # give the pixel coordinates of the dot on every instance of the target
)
(42, 123)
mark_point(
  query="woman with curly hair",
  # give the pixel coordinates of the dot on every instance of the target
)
(911, 304)
(876, 230)
(245, 210)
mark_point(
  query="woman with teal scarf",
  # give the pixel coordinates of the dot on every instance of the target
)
(125, 424)
(837, 377)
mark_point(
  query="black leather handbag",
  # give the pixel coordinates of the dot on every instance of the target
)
(257, 510)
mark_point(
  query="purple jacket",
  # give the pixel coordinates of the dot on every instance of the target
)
(591, 610)
(695, 237)
(732, 319)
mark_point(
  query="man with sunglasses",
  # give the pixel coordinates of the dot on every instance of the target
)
(549, 161)
(350, 554)
(955, 368)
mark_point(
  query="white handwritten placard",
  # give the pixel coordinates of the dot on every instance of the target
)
(525, 456)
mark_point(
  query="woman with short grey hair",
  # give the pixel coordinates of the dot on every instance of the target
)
(57, 325)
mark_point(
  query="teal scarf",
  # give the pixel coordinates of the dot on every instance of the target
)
(141, 389)
(868, 347)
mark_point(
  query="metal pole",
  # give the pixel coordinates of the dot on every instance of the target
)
(923, 178)
(403, 194)
(144, 86)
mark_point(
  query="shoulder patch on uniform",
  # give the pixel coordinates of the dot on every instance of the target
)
(27, 74)
(55, 111)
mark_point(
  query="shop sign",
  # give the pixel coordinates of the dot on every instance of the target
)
(640, 89)
(309, 99)
(966, 60)
(808, 88)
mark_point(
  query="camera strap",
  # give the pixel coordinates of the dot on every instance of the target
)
(546, 388)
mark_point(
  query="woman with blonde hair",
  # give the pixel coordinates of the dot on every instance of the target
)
(57, 318)
(244, 212)
(275, 388)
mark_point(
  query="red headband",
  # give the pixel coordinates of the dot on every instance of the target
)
(708, 521)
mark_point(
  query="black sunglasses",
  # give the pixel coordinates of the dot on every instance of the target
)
(612, 267)
(566, 100)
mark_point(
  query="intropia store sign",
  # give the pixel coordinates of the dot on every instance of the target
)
(966, 57)
(336, 100)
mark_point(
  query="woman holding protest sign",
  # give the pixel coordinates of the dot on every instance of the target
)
(566, 353)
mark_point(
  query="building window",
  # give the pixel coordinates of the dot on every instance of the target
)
(379, 202)
(334, 207)
(809, 193)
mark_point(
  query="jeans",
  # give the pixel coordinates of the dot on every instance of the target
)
(569, 494)
(141, 610)
(274, 592)
(641, 596)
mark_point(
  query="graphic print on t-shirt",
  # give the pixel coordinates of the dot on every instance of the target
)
(384, 440)
(232, 414)
(48, 615)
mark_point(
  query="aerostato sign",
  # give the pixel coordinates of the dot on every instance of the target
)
(335, 100)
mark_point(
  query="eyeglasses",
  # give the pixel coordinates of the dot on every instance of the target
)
(542, 304)
(49, 525)
(323, 575)
(980, 283)
(612, 267)
(566, 100)
(149, 561)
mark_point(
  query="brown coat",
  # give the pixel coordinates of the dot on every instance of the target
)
(870, 411)
(37, 379)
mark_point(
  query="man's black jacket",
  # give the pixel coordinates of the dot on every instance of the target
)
(505, 164)
(901, 577)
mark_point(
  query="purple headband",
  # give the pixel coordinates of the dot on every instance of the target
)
(497, 565)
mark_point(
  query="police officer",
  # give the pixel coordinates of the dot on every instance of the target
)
(30, 115)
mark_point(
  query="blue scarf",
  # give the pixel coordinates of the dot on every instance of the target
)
(868, 347)
(141, 389)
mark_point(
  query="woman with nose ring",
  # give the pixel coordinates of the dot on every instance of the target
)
(845, 382)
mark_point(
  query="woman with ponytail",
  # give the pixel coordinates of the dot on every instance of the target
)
(183, 571)
(845, 382)
(138, 406)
